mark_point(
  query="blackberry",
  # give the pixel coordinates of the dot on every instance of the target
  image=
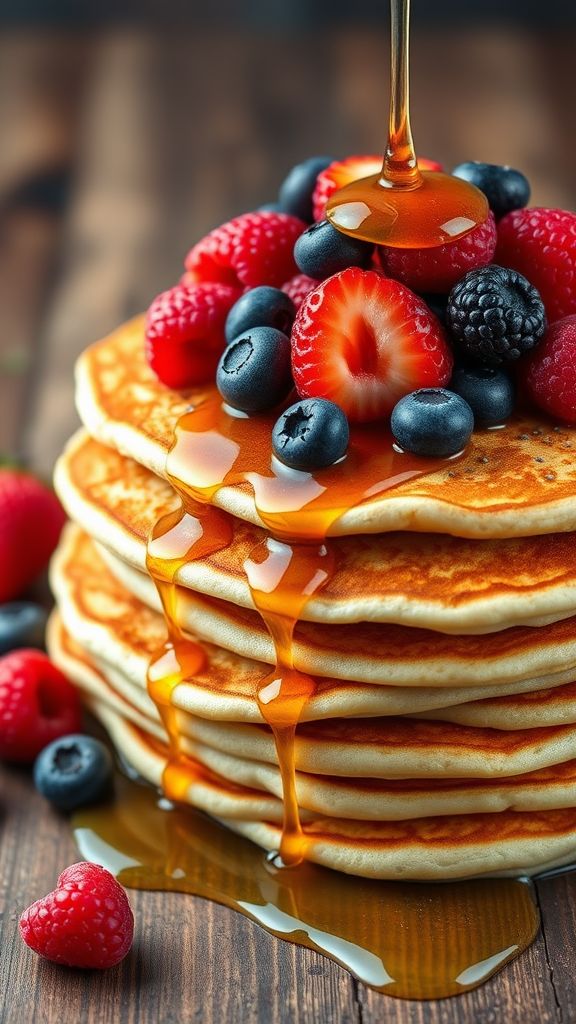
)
(495, 315)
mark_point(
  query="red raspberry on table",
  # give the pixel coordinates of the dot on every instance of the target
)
(550, 371)
(351, 168)
(253, 249)
(31, 519)
(541, 244)
(185, 332)
(85, 922)
(298, 288)
(364, 341)
(37, 705)
(438, 269)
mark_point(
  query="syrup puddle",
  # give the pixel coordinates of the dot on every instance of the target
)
(411, 940)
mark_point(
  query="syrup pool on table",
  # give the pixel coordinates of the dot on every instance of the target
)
(402, 206)
(410, 940)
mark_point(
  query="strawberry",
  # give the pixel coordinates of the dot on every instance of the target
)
(298, 288)
(342, 172)
(440, 268)
(31, 519)
(363, 341)
(185, 332)
(253, 249)
(541, 244)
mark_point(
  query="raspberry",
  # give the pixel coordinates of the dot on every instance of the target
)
(256, 248)
(85, 922)
(298, 288)
(31, 519)
(541, 244)
(185, 332)
(495, 315)
(37, 705)
(438, 269)
(551, 371)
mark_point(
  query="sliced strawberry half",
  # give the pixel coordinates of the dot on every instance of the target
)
(364, 341)
(342, 172)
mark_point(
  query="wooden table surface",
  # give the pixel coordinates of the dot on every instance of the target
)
(120, 149)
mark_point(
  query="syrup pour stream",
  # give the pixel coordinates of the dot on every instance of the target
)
(402, 206)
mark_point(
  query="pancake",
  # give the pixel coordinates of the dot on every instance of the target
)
(448, 846)
(379, 747)
(430, 581)
(121, 634)
(362, 799)
(513, 482)
(378, 654)
(397, 748)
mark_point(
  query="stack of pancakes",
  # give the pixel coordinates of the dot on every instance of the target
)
(440, 741)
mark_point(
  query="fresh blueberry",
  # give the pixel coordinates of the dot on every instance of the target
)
(270, 208)
(295, 194)
(22, 624)
(432, 421)
(260, 307)
(311, 434)
(489, 393)
(254, 372)
(322, 251)
(73, 771)
(504, 188)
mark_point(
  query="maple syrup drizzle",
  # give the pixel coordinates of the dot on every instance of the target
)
(213, 448)
(402, 206)
(409, 940)
(176, 539)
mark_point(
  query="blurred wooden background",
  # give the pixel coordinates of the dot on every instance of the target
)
(120, 148)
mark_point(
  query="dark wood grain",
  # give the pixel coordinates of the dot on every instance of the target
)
(41, 88)
(168, 135)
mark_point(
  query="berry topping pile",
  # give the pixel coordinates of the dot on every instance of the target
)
(293, 317)
(86, 922)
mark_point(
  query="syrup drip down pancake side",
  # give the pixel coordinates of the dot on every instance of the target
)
(115, 627)
(431, 581)
(447, 846)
